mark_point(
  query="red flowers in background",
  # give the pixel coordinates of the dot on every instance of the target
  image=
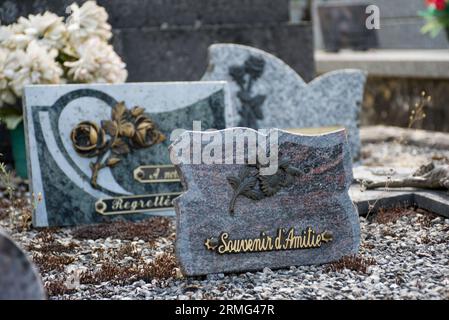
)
(438, 4)
(436, 16)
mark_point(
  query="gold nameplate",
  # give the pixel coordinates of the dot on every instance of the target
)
(156, 174)
(283, 240)
(136, 204)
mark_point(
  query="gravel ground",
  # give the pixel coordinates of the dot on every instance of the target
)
(404, 255)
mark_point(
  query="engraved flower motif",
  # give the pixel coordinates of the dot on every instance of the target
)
(251, 105)
(237, 73)
(254, 67)
(88, 138)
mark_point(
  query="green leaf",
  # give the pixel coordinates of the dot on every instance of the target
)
(11, 117)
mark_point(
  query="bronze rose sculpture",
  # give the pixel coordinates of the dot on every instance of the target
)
(128, 129)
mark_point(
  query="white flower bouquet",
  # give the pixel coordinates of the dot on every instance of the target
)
(48, 49)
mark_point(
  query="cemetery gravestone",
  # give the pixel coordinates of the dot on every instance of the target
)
(269, 94)
(234, 217)
(18, 277)
(99, 152)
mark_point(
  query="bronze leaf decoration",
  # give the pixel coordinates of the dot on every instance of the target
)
(127, 130)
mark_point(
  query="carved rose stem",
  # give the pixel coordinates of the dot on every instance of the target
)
(98, 165)
(250, 84)
(232, 203)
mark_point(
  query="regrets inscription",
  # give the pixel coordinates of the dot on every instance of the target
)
(135, 204)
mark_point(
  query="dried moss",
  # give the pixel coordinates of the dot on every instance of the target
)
(57, 288)
(54, 247)
(49, 262)
(128, 250)
(147, 230)
(108, 272)
(354, 263)
(385, 216)
(47, 234)
(163, 267)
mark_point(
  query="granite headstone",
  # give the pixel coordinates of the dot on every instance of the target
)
(19, 279)
(269, 94)
(234, 216)
(99, 152)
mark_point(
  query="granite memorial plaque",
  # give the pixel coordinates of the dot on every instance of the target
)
(277, 202)
(99, 152)
(19, 279)
(269, 94)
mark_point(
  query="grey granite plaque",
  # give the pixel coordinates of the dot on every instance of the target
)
(235, 217)
(19, 279)
(90, 146)
(269, 94)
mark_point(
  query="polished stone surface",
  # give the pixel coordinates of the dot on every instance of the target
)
(63, 176)
(333, 99)
(316, 197)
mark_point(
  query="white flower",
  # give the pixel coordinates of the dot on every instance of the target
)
(89, 20)
(6, 94)
(97, 62)
(36, 65)
(46, 29)
(12, 37)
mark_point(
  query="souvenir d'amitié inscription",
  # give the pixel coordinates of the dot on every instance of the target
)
(234, 217)
(103, 149)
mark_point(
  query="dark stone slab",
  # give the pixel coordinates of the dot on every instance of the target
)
(181, 53)
(400, 24)
(146, 13)
(344, 26)
(389, 8)
(19, 279)
(315, 172)
(406, 34)
(60, 122)
(399, 8)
